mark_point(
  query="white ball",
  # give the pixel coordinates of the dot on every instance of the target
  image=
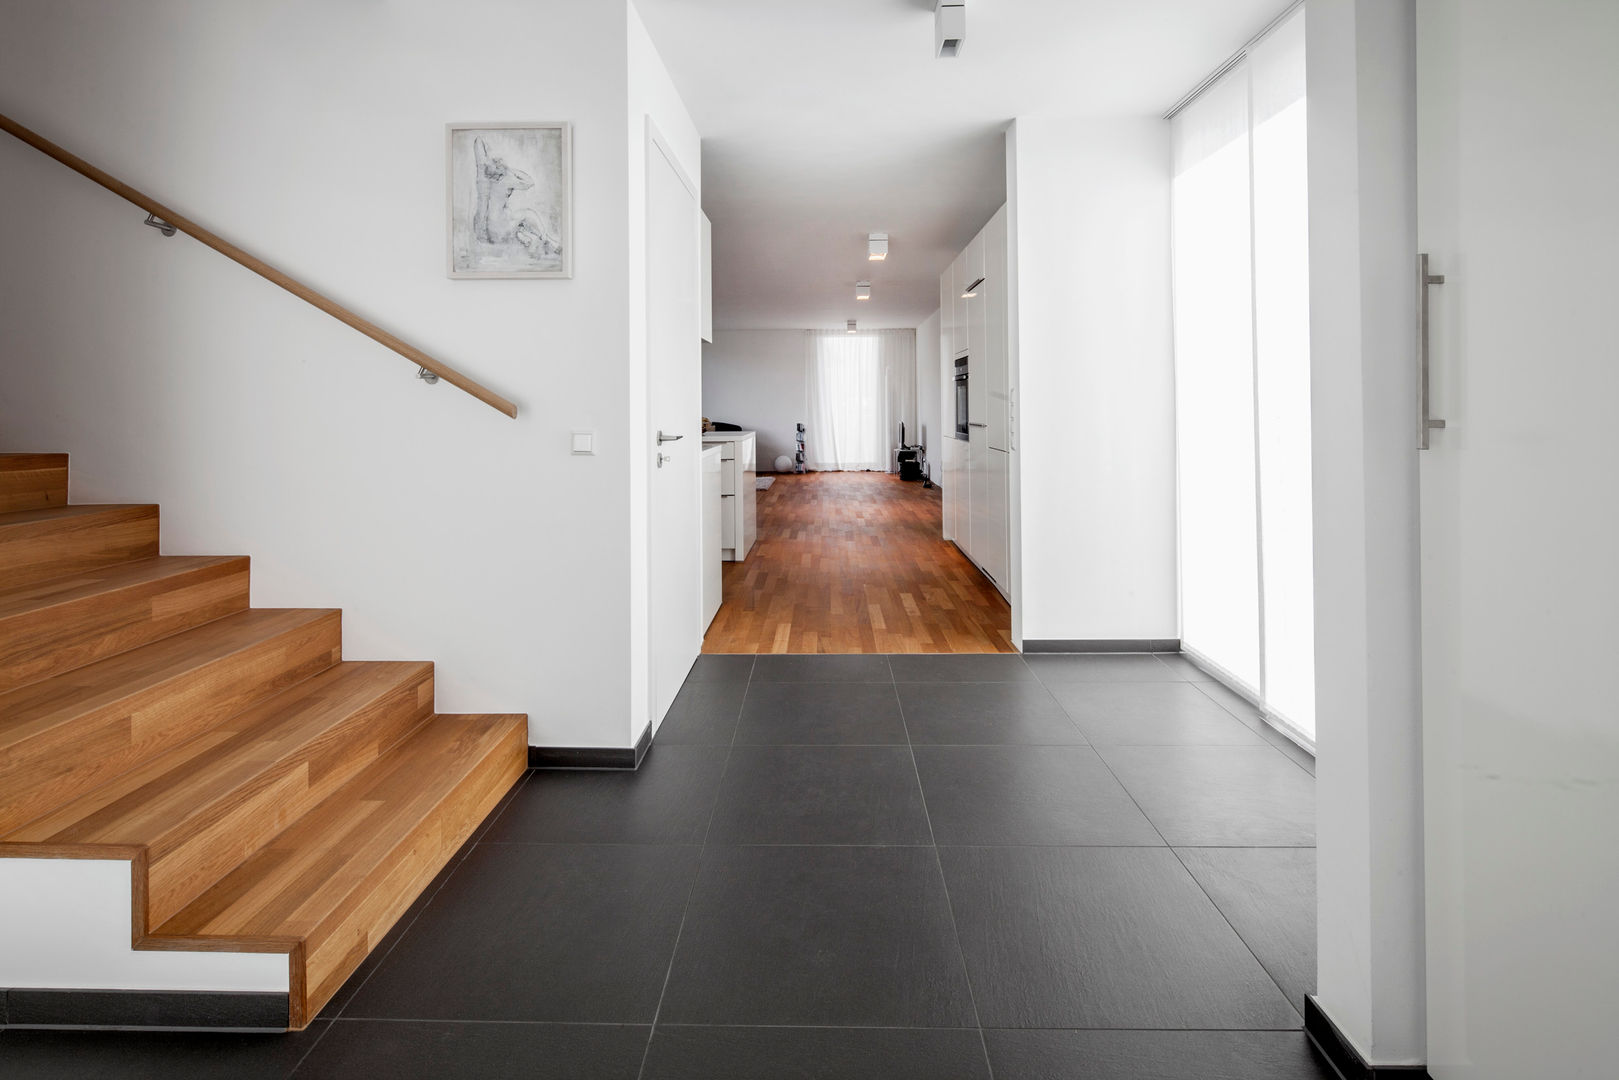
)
(784, 463)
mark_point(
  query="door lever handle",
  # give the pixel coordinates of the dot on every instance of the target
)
(662, 438)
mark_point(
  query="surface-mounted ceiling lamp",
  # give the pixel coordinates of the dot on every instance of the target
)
(851, 326)
(877, 246)
(972, 290)
(862, 290)
(949, 28)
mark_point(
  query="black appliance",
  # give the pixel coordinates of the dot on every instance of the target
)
(963, 425)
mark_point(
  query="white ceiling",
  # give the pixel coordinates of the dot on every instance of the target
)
(825, 120)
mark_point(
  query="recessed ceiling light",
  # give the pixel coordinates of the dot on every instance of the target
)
(877, 246)
(851, 326)
(862, 291)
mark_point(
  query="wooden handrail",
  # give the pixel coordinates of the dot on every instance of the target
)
(259, 267)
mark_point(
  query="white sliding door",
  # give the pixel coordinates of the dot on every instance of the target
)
(1242, 360)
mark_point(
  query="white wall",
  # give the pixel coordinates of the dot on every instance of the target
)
(1094, 468)
(757, 378)
(1362, 117)
(313, 135)
(929, 406)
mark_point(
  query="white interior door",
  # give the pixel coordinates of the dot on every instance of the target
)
(1518, 142)
(674, 410)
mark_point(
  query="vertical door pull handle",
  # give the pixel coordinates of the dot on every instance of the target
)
(1425, 422)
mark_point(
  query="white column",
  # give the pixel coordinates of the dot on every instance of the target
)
(1362, 112)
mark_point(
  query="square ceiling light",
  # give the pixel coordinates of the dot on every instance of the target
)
(862, 290)
(877, 246)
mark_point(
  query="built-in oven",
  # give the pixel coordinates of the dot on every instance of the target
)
(963, 424)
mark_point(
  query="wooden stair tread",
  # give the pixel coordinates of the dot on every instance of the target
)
(143, 804)
(199, 809)
(30, 711)
(64, 735)
(31, 481)
(286, 889)
(331, 886)
(50, 627)
(20, 599)
(48, 542)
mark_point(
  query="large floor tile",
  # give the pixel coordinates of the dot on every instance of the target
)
(1219, 796)
(1102, 937)
(539, 932)
(1155, 1055)
(667, 800)
(967, 714)
(730, 1053)
(141, 1055)
(1027, 795)
(960, 667)
(721, 668)
(1151, 714)
(703, 714)
(1268, 895)
(821, 714)
(1183, 667)
(846, 668)
(1249, 714)
(435, 1050)
(1056, 668)
(829, 936)
(820, 795)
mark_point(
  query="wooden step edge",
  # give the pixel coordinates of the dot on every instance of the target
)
(480, 790)
(204, 695)
(32, 481)
(220, 834)
(195, 842)
(67, 631)
(60, 541)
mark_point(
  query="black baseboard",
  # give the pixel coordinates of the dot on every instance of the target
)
(1102, 645)
(591, 757)
(1341, 1053)
(164, 1010)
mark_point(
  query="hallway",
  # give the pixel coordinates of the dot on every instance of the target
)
(853, 562)
(861, 867)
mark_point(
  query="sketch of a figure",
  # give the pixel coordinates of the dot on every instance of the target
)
(509, 201)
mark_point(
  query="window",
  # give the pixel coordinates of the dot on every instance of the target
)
(1242, 362)
(861, 388)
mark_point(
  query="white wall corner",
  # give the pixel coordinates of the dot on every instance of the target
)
(1362, 122)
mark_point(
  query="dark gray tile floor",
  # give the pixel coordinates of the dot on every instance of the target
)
(849, 867)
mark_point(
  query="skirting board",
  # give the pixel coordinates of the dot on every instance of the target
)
(155, 1010)
(1342, 1055)
(591, 757)
(1103, 645)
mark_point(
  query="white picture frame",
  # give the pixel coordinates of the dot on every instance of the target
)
(509, 195)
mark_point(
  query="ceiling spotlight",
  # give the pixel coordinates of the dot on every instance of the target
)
(862, 291)
(877, 246)
(949, 28)
(972, 290)
(851, 326)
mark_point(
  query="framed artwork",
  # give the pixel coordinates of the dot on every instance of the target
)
(511, 200)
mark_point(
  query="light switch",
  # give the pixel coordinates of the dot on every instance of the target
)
(584, 442)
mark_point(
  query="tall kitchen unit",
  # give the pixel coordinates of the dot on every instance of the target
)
(975, 335)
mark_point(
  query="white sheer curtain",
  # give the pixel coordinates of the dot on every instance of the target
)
(861, 388)
(1242, 363)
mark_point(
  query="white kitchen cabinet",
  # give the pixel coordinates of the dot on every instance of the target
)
(739, 516)
(713, 577)
(997, 335)
(977, 473)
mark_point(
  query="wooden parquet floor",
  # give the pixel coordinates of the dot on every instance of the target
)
(856, 563)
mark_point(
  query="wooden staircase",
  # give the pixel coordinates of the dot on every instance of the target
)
(271, 796)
